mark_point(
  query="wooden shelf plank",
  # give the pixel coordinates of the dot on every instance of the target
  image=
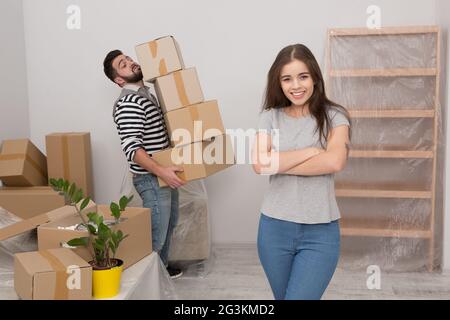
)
(386, 233)
(397, 72)
(380, 191)
(379, 228)
(383, 31)
(396, 154)
(392, 113)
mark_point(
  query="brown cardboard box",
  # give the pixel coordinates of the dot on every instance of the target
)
(57, 274)
(159, 57)
(194, 123)
(198, 160)
(32, 223)
(22, 164)
(137, 224)
(69, 157)
(179, 89)
(28, 202)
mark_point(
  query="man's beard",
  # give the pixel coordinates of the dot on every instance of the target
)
(134, 78)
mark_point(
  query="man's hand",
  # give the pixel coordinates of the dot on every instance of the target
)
(168, 174)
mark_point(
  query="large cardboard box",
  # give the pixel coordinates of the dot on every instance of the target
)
(179, 89)
(194, 123)
(69, 157)
(57, 274)
(199, 159)
(136, 222)
(22, 164)
(159, 57)
(27, 202)
(32, 223)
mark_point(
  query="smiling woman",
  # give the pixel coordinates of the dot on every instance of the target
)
(305, 136)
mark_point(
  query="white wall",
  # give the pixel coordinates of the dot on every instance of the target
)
(232, 43)
(443, 7)
(14, 120)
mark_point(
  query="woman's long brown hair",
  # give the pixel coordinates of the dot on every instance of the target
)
(319, 104)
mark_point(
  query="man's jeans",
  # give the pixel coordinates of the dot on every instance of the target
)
(163, 203)
(299, 259)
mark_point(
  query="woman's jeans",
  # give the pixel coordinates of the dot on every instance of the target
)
(299, 259)
(163, 203)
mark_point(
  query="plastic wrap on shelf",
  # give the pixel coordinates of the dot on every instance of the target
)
(190, 247)
(390, 194)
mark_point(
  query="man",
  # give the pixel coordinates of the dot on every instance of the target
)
(142, 131)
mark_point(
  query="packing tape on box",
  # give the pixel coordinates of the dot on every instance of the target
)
(153, 45)
(65, 156)
(21, 156)
(61, 290)
(194, 113)
(181, 89)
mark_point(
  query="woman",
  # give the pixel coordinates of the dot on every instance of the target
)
(302, 142)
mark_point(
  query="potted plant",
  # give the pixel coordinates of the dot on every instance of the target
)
(102, 241)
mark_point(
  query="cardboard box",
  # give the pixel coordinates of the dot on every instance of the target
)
(179, 89)
(136, 223)
(159, 57)
(69, 157)
(28, 202)
(57, 274)
(194, 123)
(32, 223)
(22, 164)
(198, 160)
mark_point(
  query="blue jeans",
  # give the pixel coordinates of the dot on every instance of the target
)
(299, 259)
(163, 203)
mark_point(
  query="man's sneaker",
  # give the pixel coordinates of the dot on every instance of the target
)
(174, 273)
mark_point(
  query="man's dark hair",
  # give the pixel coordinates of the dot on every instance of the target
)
(107, 64)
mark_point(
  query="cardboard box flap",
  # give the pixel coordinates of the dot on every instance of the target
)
(22, 226)
(32, 223)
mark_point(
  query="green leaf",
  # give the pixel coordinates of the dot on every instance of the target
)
(92, 229)
(99, 245)
(85, 203)
(130, 198)
(103, 231)
(78, 242)
(123, 203)
(77, 196)
(113, 247)
(60, 184)
(65, 186)
(54, 183)
(72, 189)
(115, 210)
(92, 217)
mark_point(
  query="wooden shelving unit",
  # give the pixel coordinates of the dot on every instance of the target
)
(387, 229)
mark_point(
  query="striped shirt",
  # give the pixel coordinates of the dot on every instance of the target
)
(140, 124)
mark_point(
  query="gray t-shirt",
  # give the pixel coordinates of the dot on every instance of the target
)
(301, 199)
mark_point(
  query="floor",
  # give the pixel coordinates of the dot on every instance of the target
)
(234, 272)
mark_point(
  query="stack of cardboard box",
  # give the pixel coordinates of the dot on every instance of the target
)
(199, 143)
(24, 172)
